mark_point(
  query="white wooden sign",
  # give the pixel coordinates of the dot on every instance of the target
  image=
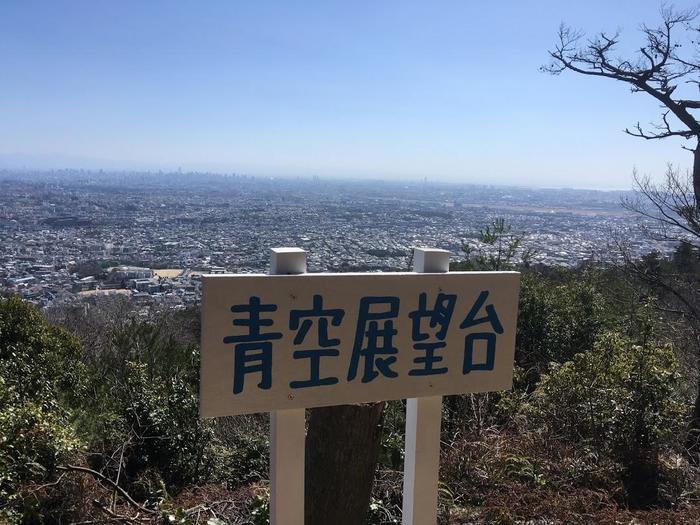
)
(282, 343)
(274, 342)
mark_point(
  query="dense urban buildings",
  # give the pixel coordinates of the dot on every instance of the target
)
(67, 236)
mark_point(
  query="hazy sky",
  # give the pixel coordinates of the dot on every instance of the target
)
(447, 90)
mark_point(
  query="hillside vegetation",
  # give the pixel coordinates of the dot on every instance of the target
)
(99, 422)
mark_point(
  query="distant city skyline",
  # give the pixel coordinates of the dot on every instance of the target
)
(390, 90)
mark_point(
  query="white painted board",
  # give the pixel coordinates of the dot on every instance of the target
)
(331, 339)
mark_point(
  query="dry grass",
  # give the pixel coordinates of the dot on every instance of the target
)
(507, 477)
(491, 477)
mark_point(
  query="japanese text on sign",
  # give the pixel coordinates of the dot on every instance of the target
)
(275, 342)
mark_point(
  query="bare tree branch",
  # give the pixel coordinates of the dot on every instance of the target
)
(105, 479)
(657, 68)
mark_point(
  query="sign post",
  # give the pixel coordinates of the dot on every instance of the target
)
(289, 340)
(423, 418)
(287, 428)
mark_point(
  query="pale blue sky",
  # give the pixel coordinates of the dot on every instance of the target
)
(387, 89)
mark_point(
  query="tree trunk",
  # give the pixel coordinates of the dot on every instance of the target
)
(692, 439)
(692, 442)
(642, 479)
(342, 447)
(696, 175)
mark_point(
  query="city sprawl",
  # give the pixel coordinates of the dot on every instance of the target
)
(69, 236)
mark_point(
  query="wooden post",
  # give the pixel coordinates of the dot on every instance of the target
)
(287, 428)
(423, 417)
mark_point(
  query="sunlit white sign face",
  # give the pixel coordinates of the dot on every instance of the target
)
(273, 342)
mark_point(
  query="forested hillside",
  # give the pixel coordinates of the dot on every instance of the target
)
(99, 420)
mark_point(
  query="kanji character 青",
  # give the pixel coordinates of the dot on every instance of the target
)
(252, 351)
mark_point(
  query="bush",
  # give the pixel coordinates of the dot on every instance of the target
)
(40, 374)
(40, 361)
(617, 399)
(34, 439)
(147, 408)
(160, 419)
(556, 320)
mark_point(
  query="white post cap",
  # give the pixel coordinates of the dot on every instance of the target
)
(287, 261)
(431, 260)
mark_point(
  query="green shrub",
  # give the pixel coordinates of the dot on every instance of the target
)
(34, 438)
(40, 361)
(41, 373)
(147, 406)
(163, 420)
(618, 399)
(260, 508)
(556, 320)
(246, 459)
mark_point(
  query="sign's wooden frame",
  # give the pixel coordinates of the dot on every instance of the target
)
(422, 442)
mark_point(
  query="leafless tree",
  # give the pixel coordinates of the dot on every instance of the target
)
(666, 66)
(670, 214)
(668, 207)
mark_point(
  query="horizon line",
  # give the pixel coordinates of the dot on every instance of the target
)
(310, 177)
